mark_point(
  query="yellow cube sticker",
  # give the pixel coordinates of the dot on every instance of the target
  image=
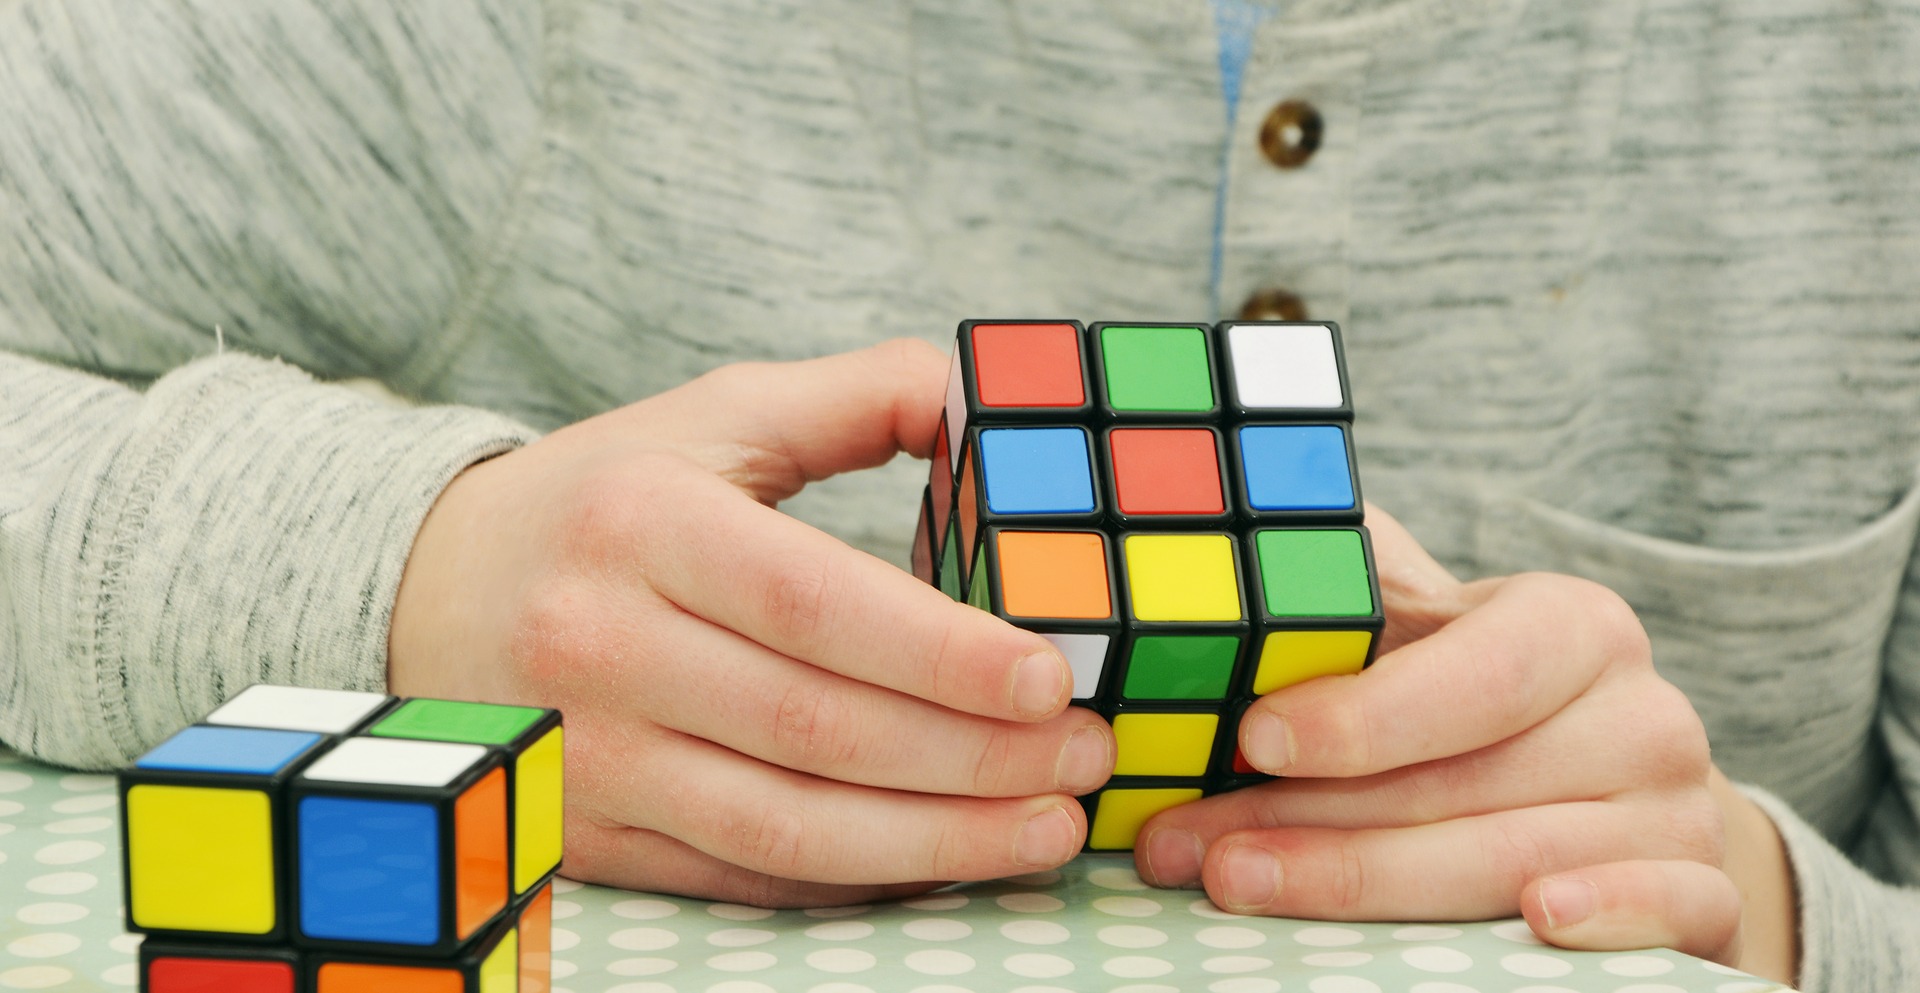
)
(1182, 577)
(500, 972)
(200, 859)
(1289, 657)
(1163, 744)
(1121, 813)
(537, 831)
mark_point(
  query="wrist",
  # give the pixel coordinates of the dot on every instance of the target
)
(1756, 860)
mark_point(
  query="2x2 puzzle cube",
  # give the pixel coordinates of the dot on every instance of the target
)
(1175, 507)
(346, 843)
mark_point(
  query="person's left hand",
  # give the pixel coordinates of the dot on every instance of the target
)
(1511, 750)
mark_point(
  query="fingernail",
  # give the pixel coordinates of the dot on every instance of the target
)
(1567, 902)
(1269, 743)
(1250, 879)
(1085, 763)
(1174, 857)
(1038, 681)
(1047, 839)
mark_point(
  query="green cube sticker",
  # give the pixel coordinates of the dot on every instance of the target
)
(981, 593)
(449, 720)
(1161, 369)
(1181, 667)
(950, 563)
(1314, 573)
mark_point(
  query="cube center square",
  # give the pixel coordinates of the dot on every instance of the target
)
(1166, 471)
(1175, 507)
(1028, 365)
(1182, 577)
(1036, 471)
(1156, 369)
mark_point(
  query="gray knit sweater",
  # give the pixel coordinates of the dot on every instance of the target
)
(1629, 291)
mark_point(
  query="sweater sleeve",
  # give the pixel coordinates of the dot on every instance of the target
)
(237, 522)
(1860, 895)
(1858, 933)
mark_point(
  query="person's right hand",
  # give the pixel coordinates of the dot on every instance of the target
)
(755, 711)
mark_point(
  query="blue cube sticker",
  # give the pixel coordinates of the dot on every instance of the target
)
(239, 751)
(1036, 471)
(369, 870)
(1296, 467)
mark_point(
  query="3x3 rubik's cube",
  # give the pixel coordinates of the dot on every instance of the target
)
(1175, 507)
(324, 841)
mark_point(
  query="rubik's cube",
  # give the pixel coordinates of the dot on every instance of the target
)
(1175, 507)
(323, 841)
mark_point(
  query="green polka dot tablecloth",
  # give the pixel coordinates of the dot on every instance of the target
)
(1089, 926)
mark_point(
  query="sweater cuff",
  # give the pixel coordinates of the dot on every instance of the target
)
(255, 528)
(1857, 934)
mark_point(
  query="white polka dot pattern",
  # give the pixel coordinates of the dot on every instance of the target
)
(1090, 925)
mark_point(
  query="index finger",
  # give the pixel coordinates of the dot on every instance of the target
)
(1536, 644)
(805, 594)
(771, 428)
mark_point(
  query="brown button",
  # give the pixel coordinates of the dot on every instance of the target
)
(1273, 305)
(1291, 133)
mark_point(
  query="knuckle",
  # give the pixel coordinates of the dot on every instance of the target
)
(903, 353)
(1609, 619)
(994, 766)
(1698, 831)
(613, 507)
(1681, 750)
(775, 842)
(551, 636)
(770, 892)
(1618, 627)
(1351, 738)
(800, 599)
(811, 728)
(1348, 892)
(738, 380)
(1519, 853)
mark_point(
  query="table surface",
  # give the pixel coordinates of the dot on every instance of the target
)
(1091, 925)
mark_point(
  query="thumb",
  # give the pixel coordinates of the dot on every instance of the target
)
(1687, 906)
(771, 428)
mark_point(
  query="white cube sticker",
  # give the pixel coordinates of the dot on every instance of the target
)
(1284, 366)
